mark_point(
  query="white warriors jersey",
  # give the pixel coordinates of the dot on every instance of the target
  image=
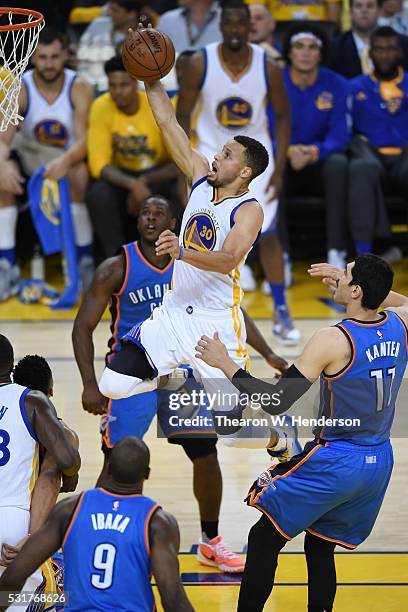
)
(49, 124)
(232, 104)
(205, 226)
(19, 449)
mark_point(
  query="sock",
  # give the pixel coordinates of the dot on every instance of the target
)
(210, 529)
(83, 251)
(8, 223)
(362, 247)
(82, 228)
(278, 294)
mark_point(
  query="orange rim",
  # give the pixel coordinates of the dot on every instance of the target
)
(4, 10)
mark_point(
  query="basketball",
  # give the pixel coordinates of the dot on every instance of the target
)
(148, 54)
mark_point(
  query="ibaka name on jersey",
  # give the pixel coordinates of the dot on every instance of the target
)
(117, 522)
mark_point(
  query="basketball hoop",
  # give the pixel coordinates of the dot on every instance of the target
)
(18, 40)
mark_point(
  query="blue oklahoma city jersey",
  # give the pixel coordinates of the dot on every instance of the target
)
(367, 388)
(142, 291)
(107, 553)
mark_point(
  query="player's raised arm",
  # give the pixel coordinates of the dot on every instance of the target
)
(51, 433)
(398, 303)
(192, 164)
(107, 279)
(38, 548)
(165, 543)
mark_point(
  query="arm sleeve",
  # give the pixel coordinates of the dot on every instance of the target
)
(274, 399)
(99, 140)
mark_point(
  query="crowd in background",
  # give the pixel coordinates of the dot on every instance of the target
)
(344, 73)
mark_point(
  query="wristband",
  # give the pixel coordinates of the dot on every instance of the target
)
(181, 251)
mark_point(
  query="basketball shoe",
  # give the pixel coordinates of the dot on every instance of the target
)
(288, 444)
(9, 279)
(283, 329)
(215, 554)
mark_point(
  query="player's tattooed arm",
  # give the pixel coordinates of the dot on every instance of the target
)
(164, 539)
(258, 342)
(190, 80)
(51, 433)
(107, 279)
(192, 164)
(38, 548)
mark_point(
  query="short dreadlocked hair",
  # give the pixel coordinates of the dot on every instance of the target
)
(33, 371)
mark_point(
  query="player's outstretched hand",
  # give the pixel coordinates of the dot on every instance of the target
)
(69, 483)
(212, 351)
(92, 400)
(331, 274)
(168, 244)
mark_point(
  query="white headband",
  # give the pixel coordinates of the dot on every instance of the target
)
(308, 35)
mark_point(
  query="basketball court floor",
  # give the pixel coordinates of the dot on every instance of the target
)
(372, 579)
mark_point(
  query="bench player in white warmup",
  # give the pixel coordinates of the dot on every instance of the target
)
(220, 224)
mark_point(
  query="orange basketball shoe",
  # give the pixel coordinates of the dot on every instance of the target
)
(216, 554)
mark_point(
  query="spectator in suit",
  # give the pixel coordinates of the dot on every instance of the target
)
(350, 52)
(380, 148)
(315, 158)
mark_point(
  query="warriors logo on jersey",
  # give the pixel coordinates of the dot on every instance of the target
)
(51, 132)
(199, 233)
(234, 113)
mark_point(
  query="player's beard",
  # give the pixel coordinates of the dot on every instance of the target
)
(50, 79)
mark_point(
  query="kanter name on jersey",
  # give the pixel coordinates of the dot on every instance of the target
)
(389, 348)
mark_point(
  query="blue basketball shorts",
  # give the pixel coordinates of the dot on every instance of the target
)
(130, 416)
(332, 489)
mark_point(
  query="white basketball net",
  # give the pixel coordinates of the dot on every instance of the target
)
(16, 48)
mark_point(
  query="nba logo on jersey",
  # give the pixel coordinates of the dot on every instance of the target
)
(116, 505)
(379, 334)
(199, 233)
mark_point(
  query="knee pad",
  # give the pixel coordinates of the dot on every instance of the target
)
(196, 448)
(117, 386)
